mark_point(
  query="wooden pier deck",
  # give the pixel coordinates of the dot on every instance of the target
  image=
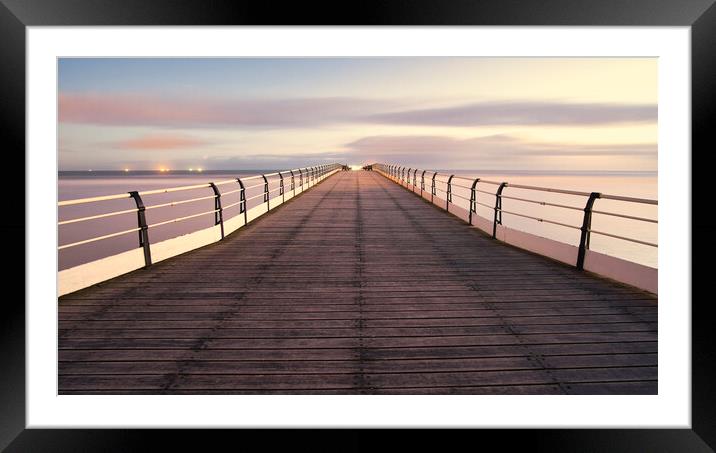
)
(358, 287)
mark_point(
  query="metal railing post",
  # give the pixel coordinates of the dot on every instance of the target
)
(407, 181)
(422, 183)
(219, 212)
(402, 174)
(280, 188)
(293, 183)
(586, 225)
(432, 189)
(449, 193)
(242, 201)
(473, 200)
(498, 209)
(266, 193)
(143, 228)
(415, 181)
(300, 178)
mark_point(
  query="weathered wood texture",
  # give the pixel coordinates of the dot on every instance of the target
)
(358, 287)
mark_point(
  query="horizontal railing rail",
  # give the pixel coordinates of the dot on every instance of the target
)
(297, 178)
(407, 176)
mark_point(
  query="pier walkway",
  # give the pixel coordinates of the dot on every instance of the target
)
(358, 287)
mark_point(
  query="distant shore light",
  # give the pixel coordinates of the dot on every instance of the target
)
(126, 169)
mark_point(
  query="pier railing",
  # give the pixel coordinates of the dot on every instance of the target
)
(475, 190)
(255, 198)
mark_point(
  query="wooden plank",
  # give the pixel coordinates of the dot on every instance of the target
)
(349, 331)
(270, 382)
(515, 321)
(516, 349)
(518, 377)
(112, 355)
(614, 388)
(318, 314)
(297, 366)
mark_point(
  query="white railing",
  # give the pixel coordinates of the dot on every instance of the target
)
(581, 256)
(290, 183)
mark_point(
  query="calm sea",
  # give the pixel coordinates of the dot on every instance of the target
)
(73, 185)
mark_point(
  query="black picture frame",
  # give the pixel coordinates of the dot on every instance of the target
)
(16, 15)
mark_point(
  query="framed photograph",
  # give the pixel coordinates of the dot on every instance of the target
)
(414, 282)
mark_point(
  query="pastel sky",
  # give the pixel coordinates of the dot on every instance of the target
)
(431, 112)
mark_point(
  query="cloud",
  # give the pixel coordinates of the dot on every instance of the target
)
(432, 151)
(160, 142)
(504, 150)
(521, 113)
(141, 110)
(266, 161)
(147, 110)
